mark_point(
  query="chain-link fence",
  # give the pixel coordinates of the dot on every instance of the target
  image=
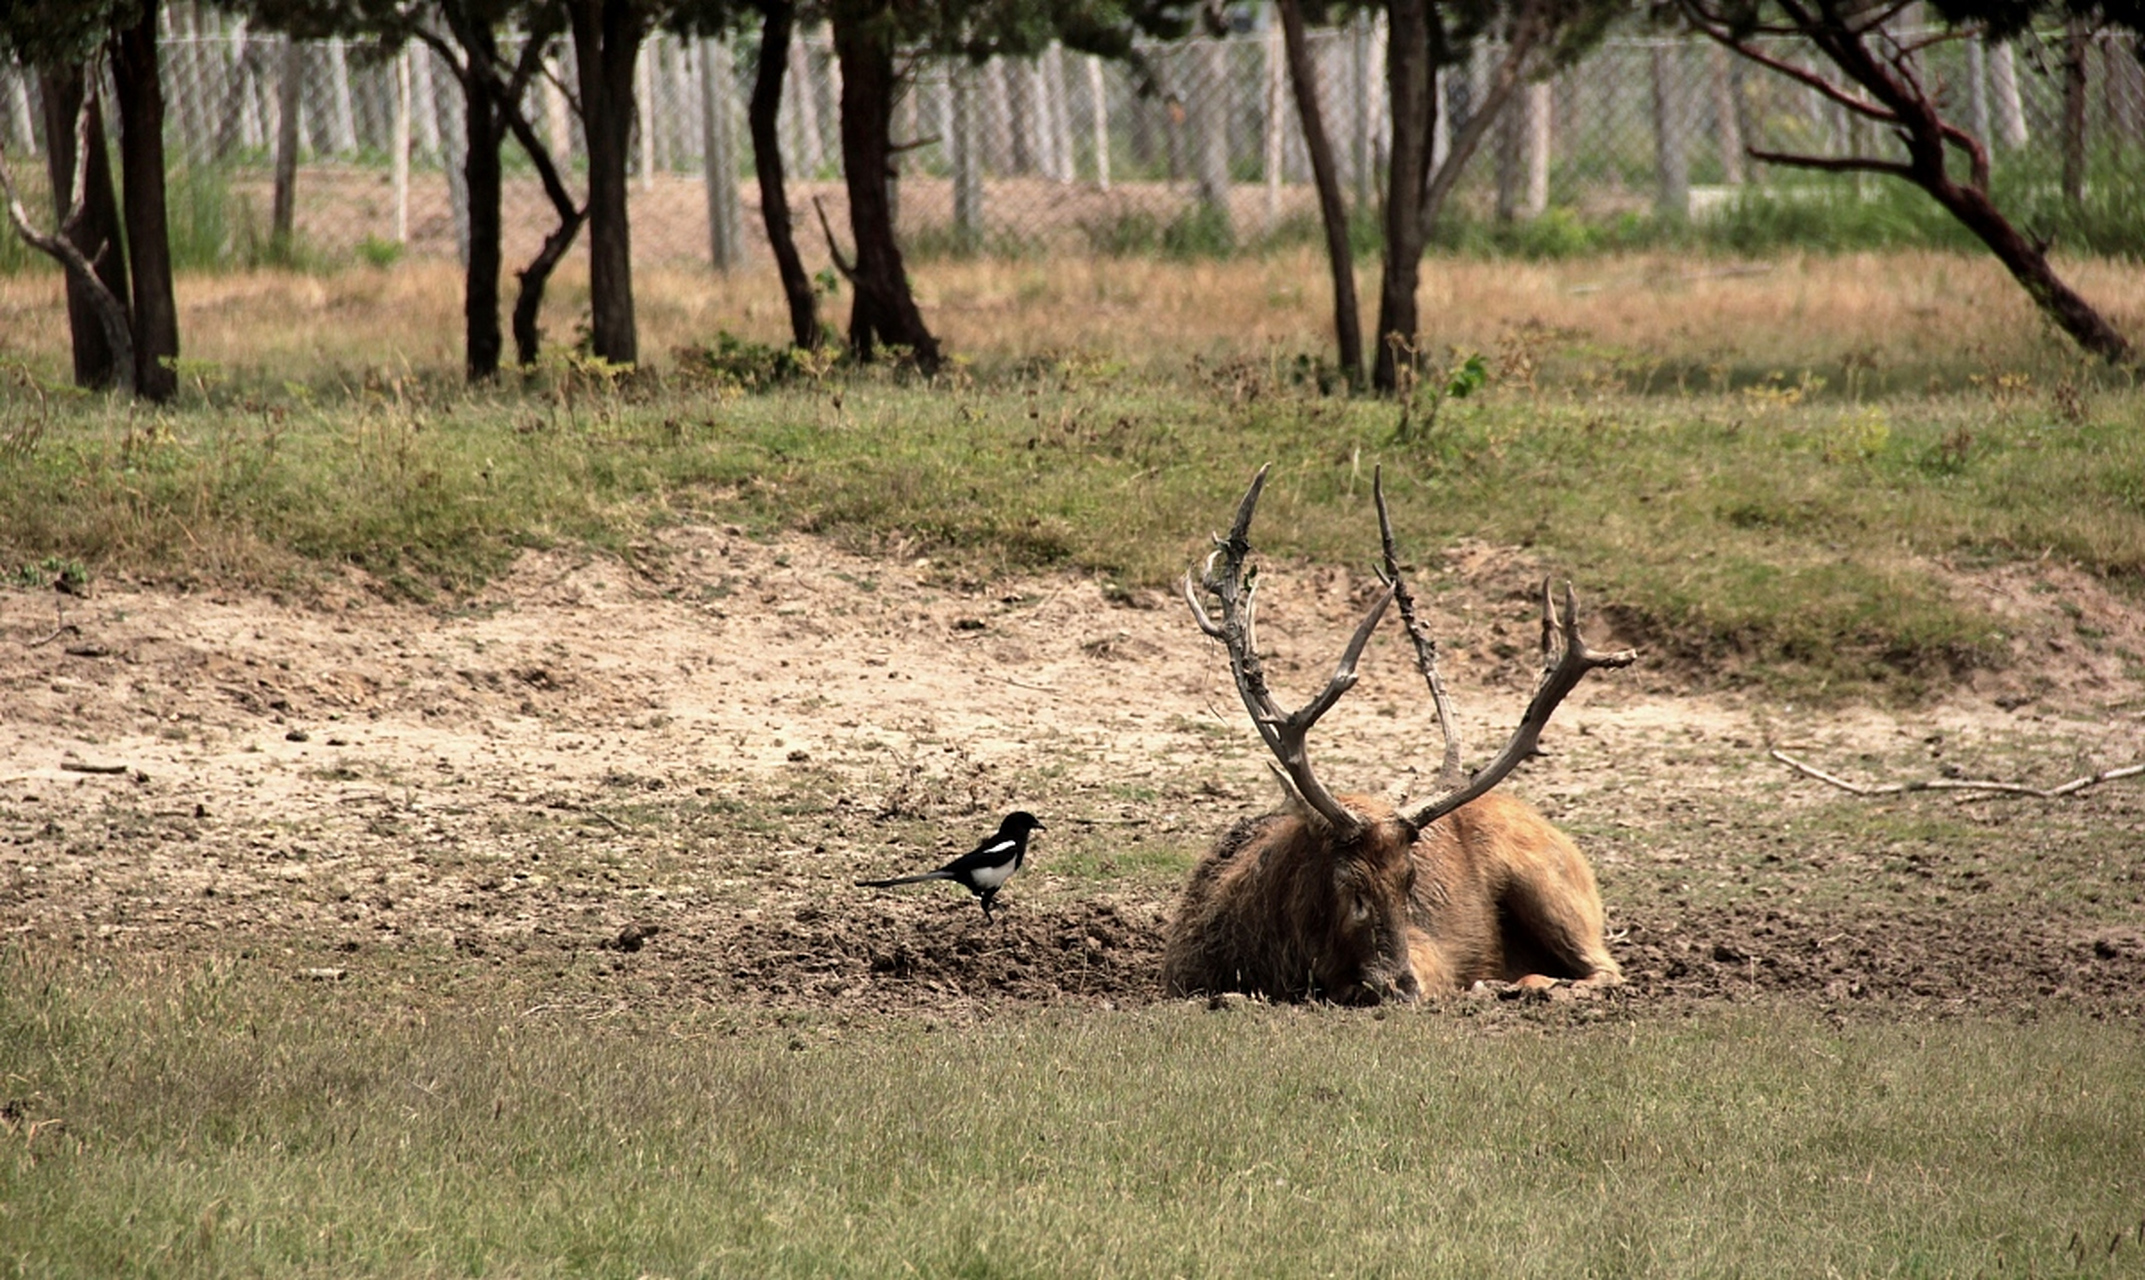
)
(1199, 144)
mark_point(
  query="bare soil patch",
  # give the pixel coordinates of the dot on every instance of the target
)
(603, 782)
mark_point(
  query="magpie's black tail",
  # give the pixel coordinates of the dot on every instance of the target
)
(888, 884)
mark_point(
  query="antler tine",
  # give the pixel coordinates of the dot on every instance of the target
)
(1448, 774)
(1558, 679)
(1228, 579)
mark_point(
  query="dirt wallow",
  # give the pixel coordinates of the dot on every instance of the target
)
(600, 786)
(1102, 954)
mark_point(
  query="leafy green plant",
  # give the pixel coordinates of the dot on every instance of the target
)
(754, 366)
(376, 252)
(61, 573)
(1467, 374)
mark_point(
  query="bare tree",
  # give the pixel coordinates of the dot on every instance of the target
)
(1878, 79)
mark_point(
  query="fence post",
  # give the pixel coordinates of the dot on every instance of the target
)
(644, 88)
(342, 124)
(558, 120)
(1672, 157)
(2003, 87)
(967, 160)
(400, 147)
(1210, 126)
(1977, 85)
(424, 105)
(1099, 118)
(718, 155)
(1539, 141)
(186, 94)
(1727, 117)
(2075, 34)
(808, 154)
(453, 127)
(1276, 118)
(2126, 91)
(19, 109)
(1360, 157)
(1523, 154)
(1054, 95)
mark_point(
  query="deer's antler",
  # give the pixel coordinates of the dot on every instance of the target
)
(1448, 775)
(1228, 577)
(1561, 673)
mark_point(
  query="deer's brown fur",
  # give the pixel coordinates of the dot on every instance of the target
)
(1489, 891)
(1347, 898)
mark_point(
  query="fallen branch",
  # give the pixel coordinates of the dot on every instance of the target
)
(600, 816)
(83, 766)
(2074, 786)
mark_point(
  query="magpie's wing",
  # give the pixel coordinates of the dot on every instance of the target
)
(993, 852)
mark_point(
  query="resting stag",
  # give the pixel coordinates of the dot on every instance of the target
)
(1353, 900)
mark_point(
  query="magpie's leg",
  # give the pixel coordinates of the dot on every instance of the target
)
(987, 895)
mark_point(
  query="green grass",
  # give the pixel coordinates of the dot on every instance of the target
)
(222, 1120)
(1776, 532)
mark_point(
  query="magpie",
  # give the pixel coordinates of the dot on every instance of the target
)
(985, 869)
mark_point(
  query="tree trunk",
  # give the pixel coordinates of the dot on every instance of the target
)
(2076, 40)
(884, 310)
(484, 133)
(529, 300)
(1409, 80)
(2028, 264)
(283, 218)
(765, 119)
(1325, 175)
(606, 37)
(141, 165)
(96, 231)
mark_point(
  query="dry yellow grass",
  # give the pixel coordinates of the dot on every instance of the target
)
(1904, 311)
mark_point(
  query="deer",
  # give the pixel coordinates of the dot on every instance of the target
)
(1357, 901)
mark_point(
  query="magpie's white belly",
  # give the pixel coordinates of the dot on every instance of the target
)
(992, 877)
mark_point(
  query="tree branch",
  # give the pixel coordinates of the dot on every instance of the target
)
(1526, 33)
(1801, 75)
(1833, 164)
(848, 269)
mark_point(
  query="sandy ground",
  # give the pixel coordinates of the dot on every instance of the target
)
(656, 780)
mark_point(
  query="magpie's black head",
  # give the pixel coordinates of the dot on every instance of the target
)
(1019, 823)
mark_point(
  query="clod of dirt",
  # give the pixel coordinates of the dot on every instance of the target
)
(631, 938)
